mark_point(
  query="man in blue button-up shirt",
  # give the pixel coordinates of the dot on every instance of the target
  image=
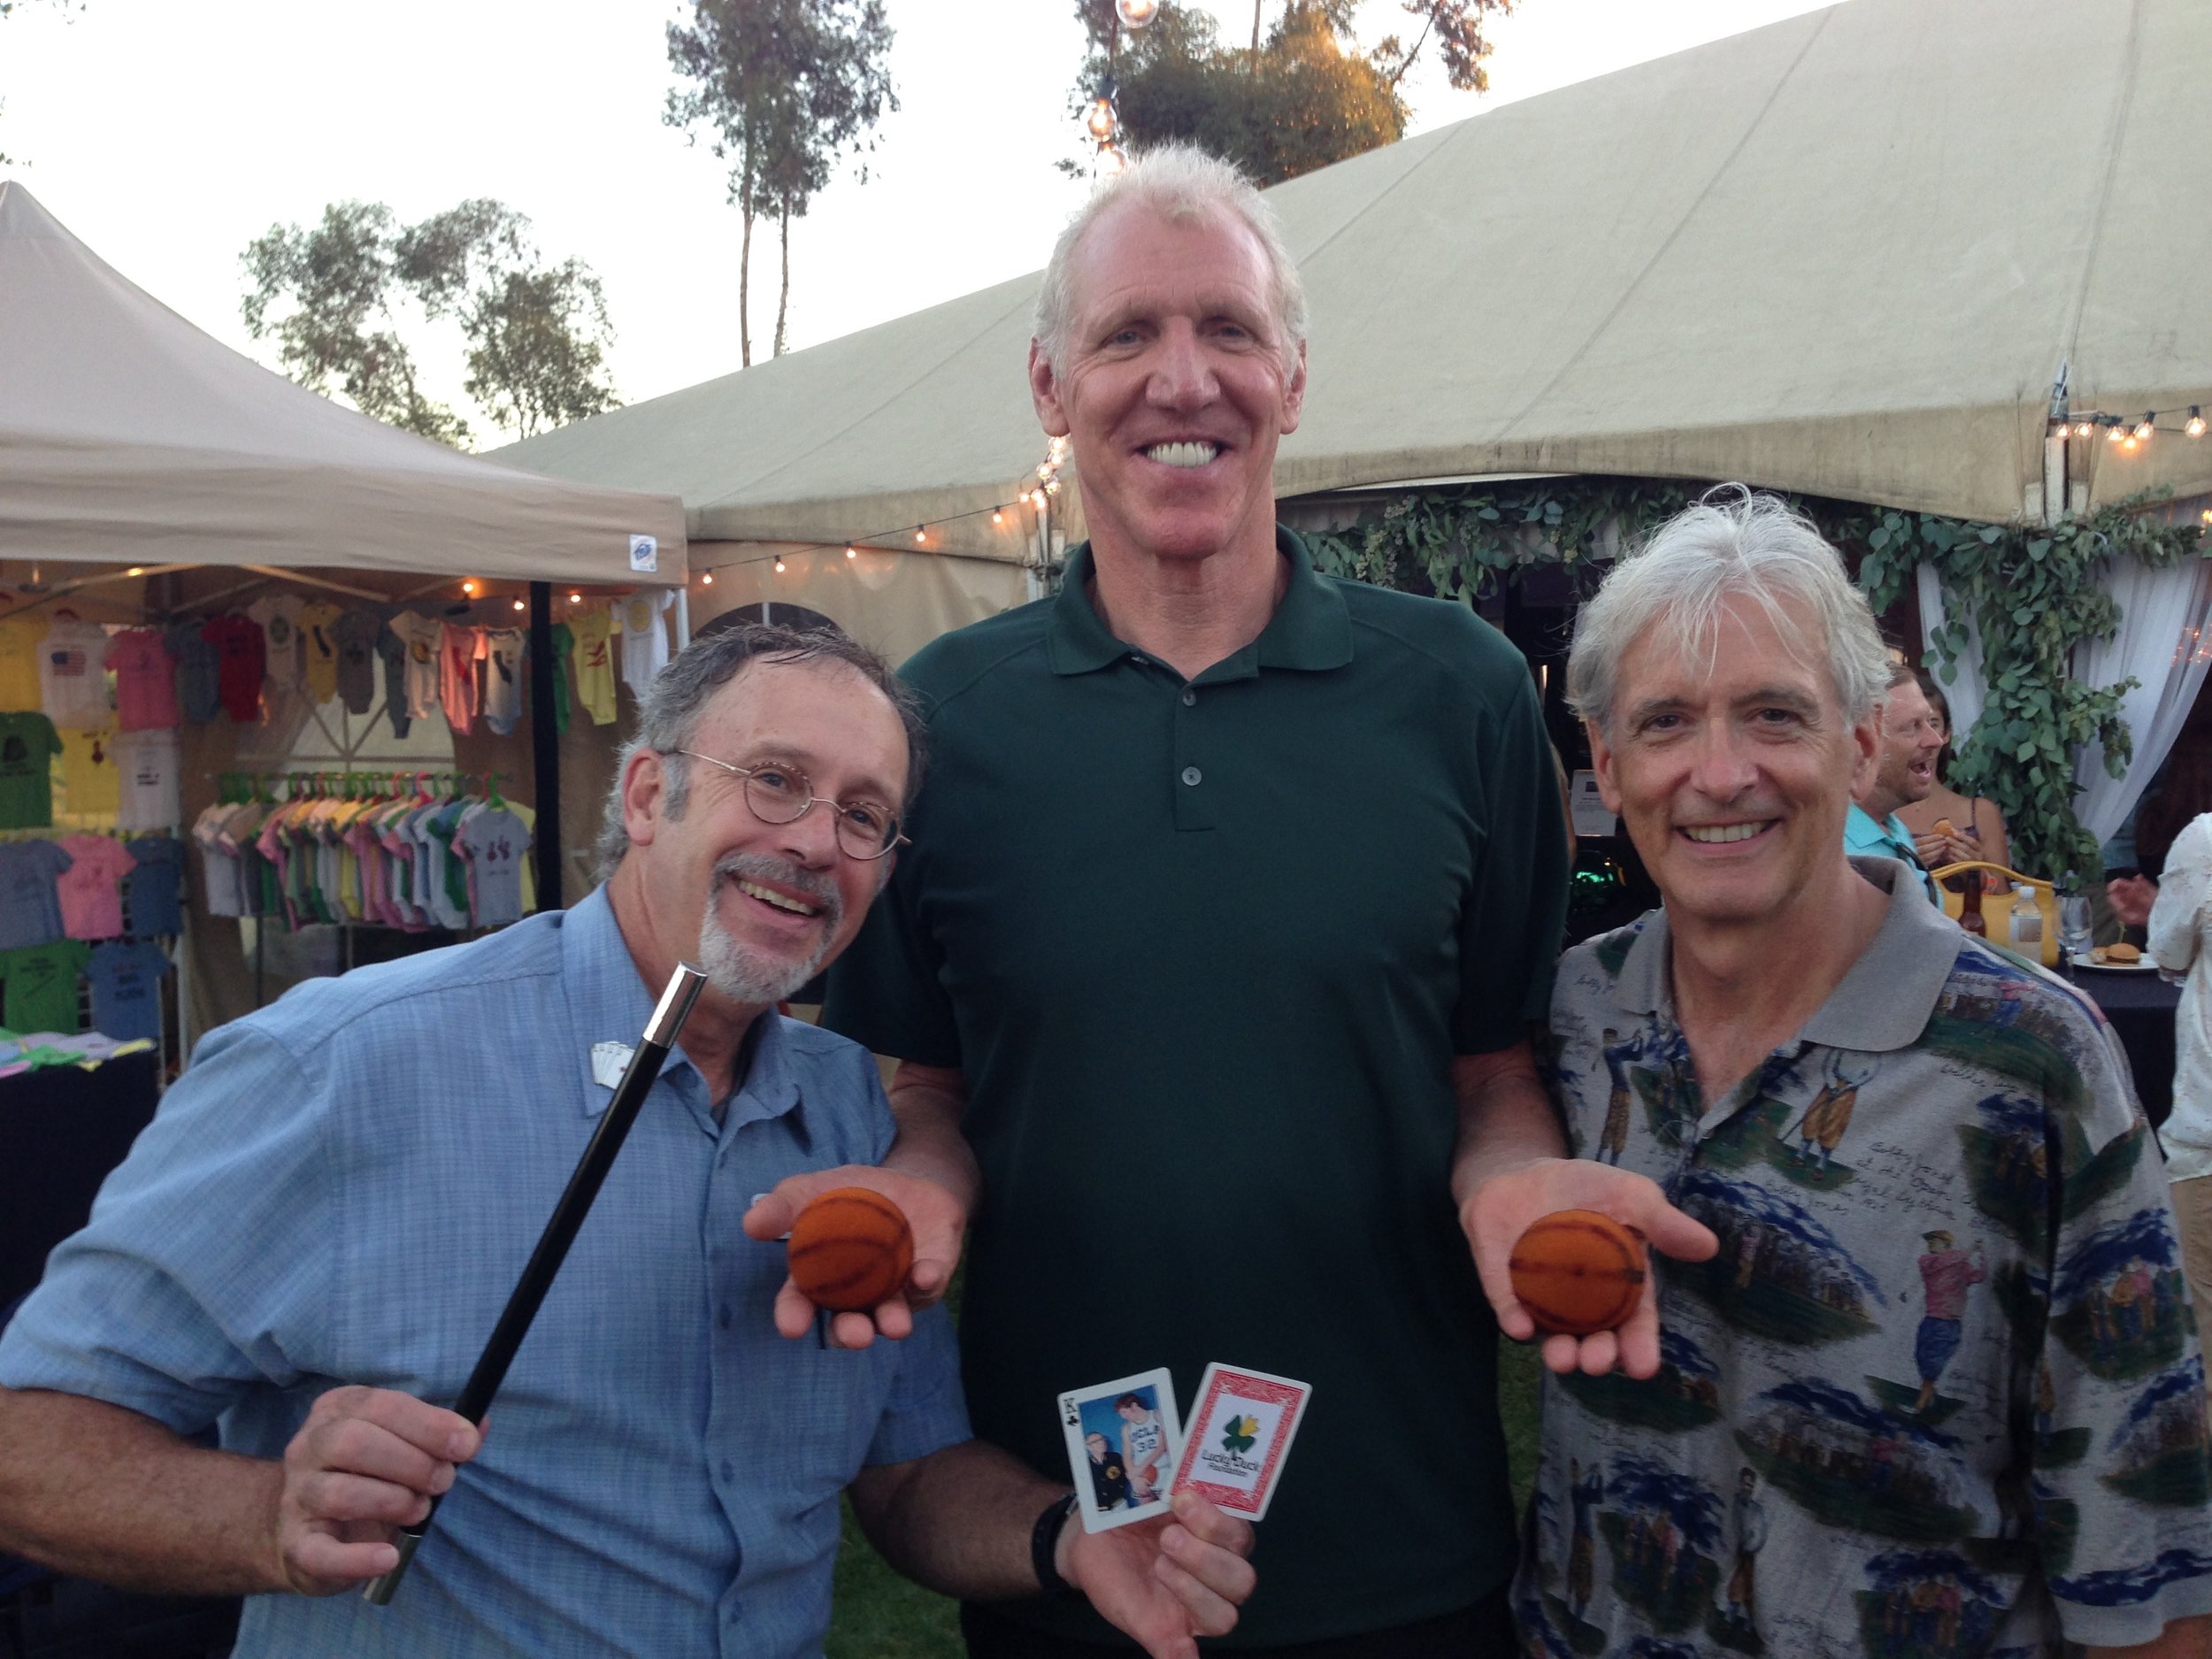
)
(318, 1231)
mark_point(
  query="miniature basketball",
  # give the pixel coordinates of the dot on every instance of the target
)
(850, 1249)
(1578, 1271)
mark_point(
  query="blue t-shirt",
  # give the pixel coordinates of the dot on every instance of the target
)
(126, 990)
(30, 905)
(149, 891)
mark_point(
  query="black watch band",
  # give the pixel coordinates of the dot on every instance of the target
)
(1044, 1540)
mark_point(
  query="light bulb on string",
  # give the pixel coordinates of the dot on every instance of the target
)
(852, 552)
(1099, 120)
(2130, 444)
(469, 589)
(997, 517)
(2195, 427)
(576, 599)
(1113, 161)
(2116, 433)
(519, 605)
(135, 570)
(706, 579)
(1136, 14)
(779, 564)
(2083, 428)
(921, 536)
(2143, 430)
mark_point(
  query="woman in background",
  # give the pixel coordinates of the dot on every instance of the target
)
(1948, 827)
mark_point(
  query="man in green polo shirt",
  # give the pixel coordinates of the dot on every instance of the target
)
(1228, 905)
(1903, 771)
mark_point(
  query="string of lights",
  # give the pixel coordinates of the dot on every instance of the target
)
(2129, 433)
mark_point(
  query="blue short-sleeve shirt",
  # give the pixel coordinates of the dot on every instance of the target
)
(344, 1188)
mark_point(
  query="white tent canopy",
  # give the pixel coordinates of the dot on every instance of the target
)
(1846, 254)
(127, 436)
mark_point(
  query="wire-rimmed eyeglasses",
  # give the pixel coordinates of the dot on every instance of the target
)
(781, 794)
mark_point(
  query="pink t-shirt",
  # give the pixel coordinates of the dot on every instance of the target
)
(145, 680)
(91, 901)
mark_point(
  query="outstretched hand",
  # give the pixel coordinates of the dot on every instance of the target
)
(937, 1218)
(2131, 898)
(1165, 1581)
(1498, 1211)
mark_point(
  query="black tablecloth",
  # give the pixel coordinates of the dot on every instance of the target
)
(62, 1129)
(2140, 1007)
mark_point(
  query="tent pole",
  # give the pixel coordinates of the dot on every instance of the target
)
(545, 748)
(683, 617)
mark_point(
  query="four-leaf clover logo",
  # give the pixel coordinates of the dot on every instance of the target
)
(1241, 1432)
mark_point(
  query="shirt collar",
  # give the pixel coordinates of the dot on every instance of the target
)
(609, 1003)
(1882, 1002)
(1310, 630)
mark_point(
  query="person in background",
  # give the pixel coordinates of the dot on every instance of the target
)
(1902, 771)
(1948, 827)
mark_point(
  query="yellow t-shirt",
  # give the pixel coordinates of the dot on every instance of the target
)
(18, 662)
(595, 663)
(92, 783)
(320, 646)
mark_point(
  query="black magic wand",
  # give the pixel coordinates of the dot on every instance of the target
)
(537, 1278)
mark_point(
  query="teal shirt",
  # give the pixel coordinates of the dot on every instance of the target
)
(1203, 952)
(1863, 838)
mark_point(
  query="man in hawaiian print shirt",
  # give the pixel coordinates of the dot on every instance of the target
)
(1954, 1356)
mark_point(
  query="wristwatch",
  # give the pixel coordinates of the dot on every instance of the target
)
(1044, 1540)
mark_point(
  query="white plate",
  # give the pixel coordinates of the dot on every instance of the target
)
(2145, 966)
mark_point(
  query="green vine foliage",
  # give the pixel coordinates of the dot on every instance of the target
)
(2032, 591)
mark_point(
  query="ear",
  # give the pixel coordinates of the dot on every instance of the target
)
(1601, 763)
(644, 793)
(1866, 752)
(1044, 393)
(1294, 392)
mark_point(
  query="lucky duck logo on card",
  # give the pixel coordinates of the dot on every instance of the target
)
(1238, 1433)
(1234, 1459)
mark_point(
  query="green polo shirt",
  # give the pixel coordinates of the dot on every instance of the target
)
(1204, 952)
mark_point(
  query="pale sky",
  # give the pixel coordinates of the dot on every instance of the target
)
(168, 134)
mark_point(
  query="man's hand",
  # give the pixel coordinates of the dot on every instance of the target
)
(2131, 898)
(938, 1223)
(1496, 1213)
(1935, 851)
(1165, 1581)
(366, 1462)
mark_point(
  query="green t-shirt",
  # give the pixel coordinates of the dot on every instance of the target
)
(1204, 953)
(38, 985)
(28, 745)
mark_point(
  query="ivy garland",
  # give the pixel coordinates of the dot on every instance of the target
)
(2032, 590)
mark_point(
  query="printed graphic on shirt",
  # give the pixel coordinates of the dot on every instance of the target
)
(2157, 1452)
(1683, 1394)
(2002, 1019)
(2117, 1302)
(1926, 1602)
(1662, 1529)
(1780, 1273)
(1947, 1273)
(1852, 1463)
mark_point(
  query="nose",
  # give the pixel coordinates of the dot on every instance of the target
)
(1182, 377)
(810, 839)
(1724, 765)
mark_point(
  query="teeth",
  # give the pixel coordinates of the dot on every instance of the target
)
(1183, 453)
(768, 896)
(1716, 832)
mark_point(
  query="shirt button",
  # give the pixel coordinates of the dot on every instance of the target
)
(1190, 698)
(1137, 657)
(1191, 774)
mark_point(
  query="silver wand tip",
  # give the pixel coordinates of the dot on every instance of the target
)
(674, 1007)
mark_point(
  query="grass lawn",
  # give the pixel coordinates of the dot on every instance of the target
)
(880, 1616)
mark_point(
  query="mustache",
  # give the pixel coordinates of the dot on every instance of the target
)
(809, 884)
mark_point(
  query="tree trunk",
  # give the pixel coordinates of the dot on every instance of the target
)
(1257, 5)
(783, 299)
(744, 287)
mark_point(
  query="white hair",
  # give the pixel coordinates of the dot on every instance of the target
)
(1179, 182)
(1733, 544)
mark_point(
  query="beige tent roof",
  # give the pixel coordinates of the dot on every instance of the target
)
(126, 436)
(1845, 254)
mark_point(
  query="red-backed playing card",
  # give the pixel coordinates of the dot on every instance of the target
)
(1241, 1434)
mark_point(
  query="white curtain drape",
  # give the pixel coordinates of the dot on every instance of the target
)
(2164, 641)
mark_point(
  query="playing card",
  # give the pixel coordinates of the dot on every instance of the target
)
(1122, 1439)
(1241, 1433)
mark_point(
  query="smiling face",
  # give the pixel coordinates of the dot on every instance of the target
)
(1733, 779)
(762, 907)
(1911, 739)
(1174, 387)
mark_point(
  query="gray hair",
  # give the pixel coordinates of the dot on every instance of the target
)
(670, 708)
(1179, 182)
(1733, 542)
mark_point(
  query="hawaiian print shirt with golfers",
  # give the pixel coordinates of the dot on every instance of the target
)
(1939, 1392)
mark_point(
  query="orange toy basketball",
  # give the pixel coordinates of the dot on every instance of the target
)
(850, 1249)
(1578, 1271)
